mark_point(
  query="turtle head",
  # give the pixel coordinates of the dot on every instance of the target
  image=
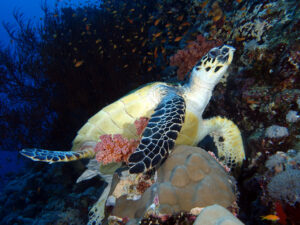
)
(213, 65)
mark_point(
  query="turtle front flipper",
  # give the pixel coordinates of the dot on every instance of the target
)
(228, 140)
(160, 133)
(37, 154)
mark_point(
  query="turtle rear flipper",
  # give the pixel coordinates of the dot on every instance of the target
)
(42, 155)
(228, 140)
(160, 133)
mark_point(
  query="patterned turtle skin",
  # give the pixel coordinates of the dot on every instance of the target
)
(175, 114)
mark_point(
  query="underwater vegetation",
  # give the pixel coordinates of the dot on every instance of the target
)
(79, 59)
(72, 60)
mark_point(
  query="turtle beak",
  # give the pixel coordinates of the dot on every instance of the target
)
(230, 48)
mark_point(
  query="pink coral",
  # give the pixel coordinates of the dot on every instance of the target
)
(185, 59)
(114, 148)
(141, 124)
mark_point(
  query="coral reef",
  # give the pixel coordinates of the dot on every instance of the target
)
(114, 148)
(276, 131)
(216, 215)
(48, 195)
(285, 186)
(280, 185)
(189, 178)
(140, 125)
(185, 59)
(292, 116)
(79, 52)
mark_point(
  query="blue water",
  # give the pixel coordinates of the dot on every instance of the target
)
(11, 163)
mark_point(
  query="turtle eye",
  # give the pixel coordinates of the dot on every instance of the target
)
(213, 53)
(225, 50)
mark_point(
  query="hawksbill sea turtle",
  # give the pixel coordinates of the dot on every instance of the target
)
(175, 113)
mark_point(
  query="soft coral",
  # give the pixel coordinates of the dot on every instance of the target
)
(115, 148)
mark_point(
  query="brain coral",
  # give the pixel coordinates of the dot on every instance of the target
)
(189, 178)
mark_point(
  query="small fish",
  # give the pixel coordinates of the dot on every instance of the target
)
(87, 27)
(132, 10)
(180, 18)
(270, 217)
(130, 20)
(133, 50)
(240, 38)
(144, 59)
(144, 42)
(84, 19)
(79, 63)
(115, 46)
(125, 66)
(217, 17)
(168, 25)
(239, 1)
(149, 69)
(156, 22)
(114, 12)
(155, 53)
(142, 29)
(157, 35)
(178, 39)
(204, 4)
(98, 40)
(185, 24)
(251, 101)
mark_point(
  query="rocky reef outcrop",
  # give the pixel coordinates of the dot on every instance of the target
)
(190, 178)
